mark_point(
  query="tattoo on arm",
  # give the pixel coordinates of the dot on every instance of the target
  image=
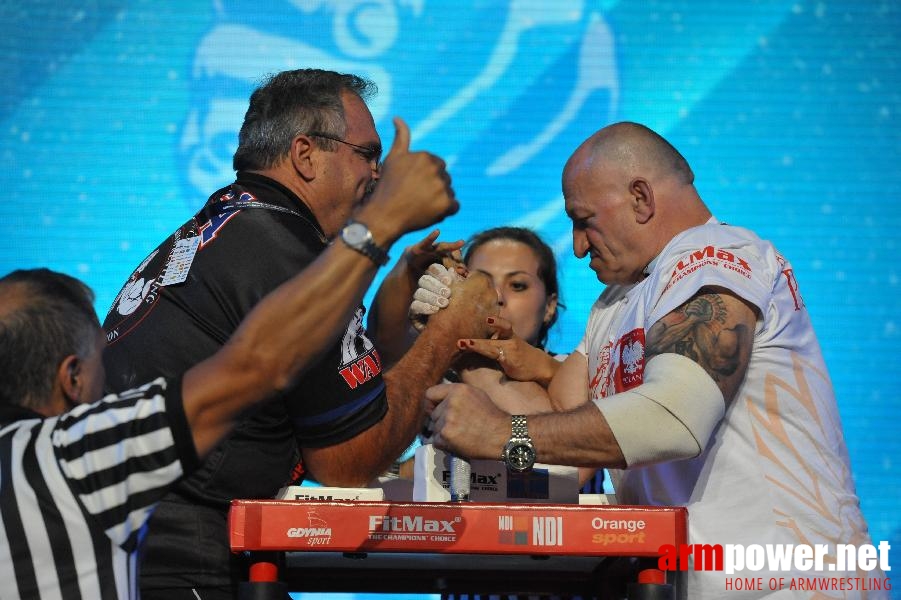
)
(705, 330)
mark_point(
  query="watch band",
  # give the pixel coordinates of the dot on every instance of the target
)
(364, 244)
(519, 431)
(520, 427)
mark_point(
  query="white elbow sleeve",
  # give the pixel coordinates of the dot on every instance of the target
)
(670, 416)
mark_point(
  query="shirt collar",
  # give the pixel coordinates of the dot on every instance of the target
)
(650, 268)
(10, 413)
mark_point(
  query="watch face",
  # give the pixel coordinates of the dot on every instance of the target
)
(355, 233)
(521, 457)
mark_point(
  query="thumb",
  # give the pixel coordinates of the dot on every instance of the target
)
(401, 143)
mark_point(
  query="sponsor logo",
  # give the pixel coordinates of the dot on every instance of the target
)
(481, 481)
(709, 256)
(317, 533)
(519, 530)
(412, 528)
(618, 531)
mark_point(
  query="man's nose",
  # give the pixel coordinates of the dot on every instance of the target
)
(580, 244)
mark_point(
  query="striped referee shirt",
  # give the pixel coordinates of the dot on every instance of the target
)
(76, 489)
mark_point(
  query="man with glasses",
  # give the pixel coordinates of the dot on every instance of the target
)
(308, 156)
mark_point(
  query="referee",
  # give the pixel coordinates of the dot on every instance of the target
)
(78, 480)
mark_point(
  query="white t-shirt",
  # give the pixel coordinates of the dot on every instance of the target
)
(776, 469)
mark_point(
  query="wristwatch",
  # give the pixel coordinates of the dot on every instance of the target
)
(357, 236)
(519, 453)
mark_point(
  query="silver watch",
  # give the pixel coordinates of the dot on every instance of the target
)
(358, 237)
(519, 453)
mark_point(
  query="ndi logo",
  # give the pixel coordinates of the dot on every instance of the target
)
(547, 531)
(540, 531)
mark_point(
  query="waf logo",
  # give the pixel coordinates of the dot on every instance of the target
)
(362, 370)
(359, 359)
(523, 530)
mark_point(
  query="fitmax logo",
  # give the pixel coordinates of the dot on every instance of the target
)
(474, 478)
(410, 524)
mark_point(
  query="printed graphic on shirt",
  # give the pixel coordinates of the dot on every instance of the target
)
(708, 256)
(620, 365)
(139, 294)
(789, 275)
(790, 451)
(359, 359)
(210, 229)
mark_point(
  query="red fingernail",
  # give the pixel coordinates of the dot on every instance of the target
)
(472, 342)
(490, 320)
(461, 344)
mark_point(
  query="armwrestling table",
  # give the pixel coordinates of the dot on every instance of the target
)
(475, 548)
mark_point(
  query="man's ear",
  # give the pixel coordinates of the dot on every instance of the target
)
(303, 157)
(68, 378)
(642, 199)
(66, 387)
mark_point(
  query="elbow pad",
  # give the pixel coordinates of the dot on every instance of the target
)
(670, 416)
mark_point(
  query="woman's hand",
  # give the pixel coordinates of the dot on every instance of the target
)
(518, 359)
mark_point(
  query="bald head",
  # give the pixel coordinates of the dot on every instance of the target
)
(636, 151)
(628, 192)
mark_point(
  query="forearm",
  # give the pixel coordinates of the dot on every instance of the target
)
(361, 459)
(580, 437)
(466, 421)
(388, 323)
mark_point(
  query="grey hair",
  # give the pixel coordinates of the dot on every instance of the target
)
(291, 103)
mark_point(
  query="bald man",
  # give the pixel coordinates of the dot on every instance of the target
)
(699, 381)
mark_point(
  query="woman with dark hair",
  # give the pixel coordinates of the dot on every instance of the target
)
(523, 270)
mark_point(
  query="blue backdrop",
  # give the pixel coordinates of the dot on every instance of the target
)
(120, 117)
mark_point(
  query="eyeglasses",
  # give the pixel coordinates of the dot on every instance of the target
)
(370, 154)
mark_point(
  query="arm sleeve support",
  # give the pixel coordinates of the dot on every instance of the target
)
(670, 416)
